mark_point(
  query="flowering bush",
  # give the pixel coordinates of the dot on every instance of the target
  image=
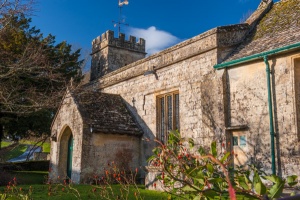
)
(198, 173)
(61, 187)
(12, 191)
(114, 175)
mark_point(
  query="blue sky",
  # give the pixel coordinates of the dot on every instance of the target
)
(162, 23)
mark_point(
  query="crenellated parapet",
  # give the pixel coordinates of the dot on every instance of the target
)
(110, 53)
(108, 39)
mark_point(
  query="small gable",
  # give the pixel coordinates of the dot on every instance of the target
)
(105, 113)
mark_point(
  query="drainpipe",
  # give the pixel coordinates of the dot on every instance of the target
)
(258, 56)
(272, 134)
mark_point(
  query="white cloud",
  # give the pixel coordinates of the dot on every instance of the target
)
(156, 40)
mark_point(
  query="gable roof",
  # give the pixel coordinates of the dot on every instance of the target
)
(278, 28)
(106, 113)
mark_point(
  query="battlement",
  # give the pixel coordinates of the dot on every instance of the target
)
(108, 39)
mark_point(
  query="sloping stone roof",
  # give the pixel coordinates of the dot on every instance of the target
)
(278, 28)
(107, 113)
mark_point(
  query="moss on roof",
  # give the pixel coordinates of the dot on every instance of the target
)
(282, 16)
(278, 28)
(106, 113)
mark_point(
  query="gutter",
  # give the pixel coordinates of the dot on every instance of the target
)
(257, 56)
(264, 56)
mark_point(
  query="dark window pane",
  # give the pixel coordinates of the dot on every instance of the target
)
(177, 112)
(235, 141)
(170, 113)
(162, 119)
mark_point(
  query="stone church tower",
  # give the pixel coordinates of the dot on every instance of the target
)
(110, 53)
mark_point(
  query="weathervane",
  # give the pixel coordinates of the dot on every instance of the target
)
(120, 21)
(125, 2)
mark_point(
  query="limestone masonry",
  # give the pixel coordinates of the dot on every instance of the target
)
(212, 87)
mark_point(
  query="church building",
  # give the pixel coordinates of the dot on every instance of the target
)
(237, 85)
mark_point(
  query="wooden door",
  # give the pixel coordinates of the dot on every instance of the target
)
(70, 156)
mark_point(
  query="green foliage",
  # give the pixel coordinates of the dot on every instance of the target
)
(34, 124)
(197, 173)
(34, 73)
(292, 180)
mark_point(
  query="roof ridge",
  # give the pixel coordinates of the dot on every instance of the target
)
(279, 27)
(253, 21)
(260, 12)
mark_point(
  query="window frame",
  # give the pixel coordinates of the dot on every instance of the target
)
(162, 114)
(237, 140)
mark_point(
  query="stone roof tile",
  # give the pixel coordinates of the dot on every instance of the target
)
(278, 28)
(107, 113)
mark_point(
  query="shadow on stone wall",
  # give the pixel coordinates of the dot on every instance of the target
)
(258, 121)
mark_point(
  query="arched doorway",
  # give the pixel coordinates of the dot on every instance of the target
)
(66, 154)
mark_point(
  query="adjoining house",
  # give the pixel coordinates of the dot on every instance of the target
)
(238, 85)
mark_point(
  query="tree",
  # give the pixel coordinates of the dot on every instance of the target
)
(10, 8)
(34, 74)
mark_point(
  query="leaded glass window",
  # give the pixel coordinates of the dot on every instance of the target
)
(167, 115)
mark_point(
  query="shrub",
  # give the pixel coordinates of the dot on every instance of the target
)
(12, 191)
(198, 173)
(26, 166)
(124, 177)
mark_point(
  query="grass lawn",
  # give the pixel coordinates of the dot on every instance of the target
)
(15, 152)
(30, 177)
(5, 144)
(40, 190)
(18, 150)
(58, 192)
(45, 146)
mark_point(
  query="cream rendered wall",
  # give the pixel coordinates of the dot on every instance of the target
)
(103, 149)
(248, 97)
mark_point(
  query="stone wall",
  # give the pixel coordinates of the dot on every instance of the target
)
(41, 156)
(110, 53)
(67, 121)
(212, 101)
(108, 39)
(92, 151)
(103, 149)
(187, 68)
(248, 105)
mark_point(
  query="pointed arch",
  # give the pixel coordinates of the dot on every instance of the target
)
(65, 163)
